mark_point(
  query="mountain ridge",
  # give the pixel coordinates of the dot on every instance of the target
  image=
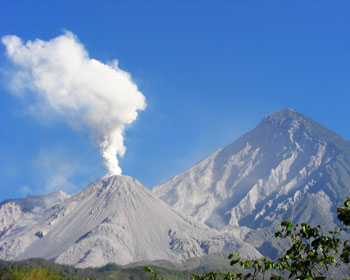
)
(288, 167)
(115, 219)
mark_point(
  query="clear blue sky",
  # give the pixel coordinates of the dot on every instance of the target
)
(210, 71)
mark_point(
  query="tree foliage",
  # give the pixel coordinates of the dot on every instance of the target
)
(312, 255)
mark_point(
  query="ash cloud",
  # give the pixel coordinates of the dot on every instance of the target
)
(57, 76)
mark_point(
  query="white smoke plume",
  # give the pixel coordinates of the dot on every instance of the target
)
(60, 78)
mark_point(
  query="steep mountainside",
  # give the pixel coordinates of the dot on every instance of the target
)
(18, 213)
(115, 219)
(288, 167)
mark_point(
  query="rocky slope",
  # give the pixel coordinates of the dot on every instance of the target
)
(18, 213)
(288, 167)
(115, 219)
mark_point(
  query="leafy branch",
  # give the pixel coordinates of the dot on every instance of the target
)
(312, 255)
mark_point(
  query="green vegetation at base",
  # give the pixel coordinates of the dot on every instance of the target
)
(40, 269)
(312, 255)
(29, 273)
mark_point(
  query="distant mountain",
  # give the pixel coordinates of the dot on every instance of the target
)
(288, 167)
(115, 219)
(18, 213)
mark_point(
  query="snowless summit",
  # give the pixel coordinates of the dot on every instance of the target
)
(288, 168)
(114, 219)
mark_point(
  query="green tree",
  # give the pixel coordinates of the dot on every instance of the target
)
(312, 255)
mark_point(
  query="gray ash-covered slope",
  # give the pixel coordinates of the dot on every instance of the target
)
(115, 219)
(18, 213)
(288, 167)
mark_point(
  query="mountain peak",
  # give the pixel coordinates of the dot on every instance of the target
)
(286, 121)
(114, 185)
(117, 179)
(289, 120)
(114, 219)
(241, 184)
(285, 114)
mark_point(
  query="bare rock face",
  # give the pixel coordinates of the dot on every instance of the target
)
(20, 212)
(288, 167)
(114, 219)
(17, 215)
